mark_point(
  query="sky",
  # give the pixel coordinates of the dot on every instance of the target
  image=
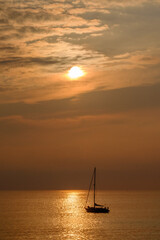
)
(55, 129)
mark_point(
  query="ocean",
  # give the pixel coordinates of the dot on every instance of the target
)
(60, 215)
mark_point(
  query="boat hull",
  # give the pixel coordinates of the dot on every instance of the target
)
(97, 210)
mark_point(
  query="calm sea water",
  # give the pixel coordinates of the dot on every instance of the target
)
(60, 215)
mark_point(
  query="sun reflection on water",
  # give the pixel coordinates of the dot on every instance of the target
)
(72, 197)
(72, 221)
(75, 222)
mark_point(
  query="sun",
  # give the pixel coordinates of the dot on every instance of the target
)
(75, 72)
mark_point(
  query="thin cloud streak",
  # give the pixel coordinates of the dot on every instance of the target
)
(99, 102)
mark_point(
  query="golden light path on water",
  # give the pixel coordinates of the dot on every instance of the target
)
(79, 224)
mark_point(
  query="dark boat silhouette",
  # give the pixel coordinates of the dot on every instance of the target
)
(97, 208)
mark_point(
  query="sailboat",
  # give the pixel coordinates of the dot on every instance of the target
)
(96, 208)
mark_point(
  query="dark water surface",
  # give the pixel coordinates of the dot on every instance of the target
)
(60, 215)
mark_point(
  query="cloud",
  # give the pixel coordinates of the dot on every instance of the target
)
(98, 102)
(20, 61)
(117, 3)
(40, 41)
(136, 29)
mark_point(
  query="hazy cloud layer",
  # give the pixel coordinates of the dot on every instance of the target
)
(41, 40)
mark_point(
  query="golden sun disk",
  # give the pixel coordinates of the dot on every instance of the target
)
(75, 72)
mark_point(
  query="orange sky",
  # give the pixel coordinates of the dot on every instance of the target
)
(54, 129)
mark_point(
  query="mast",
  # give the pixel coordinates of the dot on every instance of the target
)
(94, 186)
(92, 179)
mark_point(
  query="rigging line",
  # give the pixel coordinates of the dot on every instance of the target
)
(89, 188)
